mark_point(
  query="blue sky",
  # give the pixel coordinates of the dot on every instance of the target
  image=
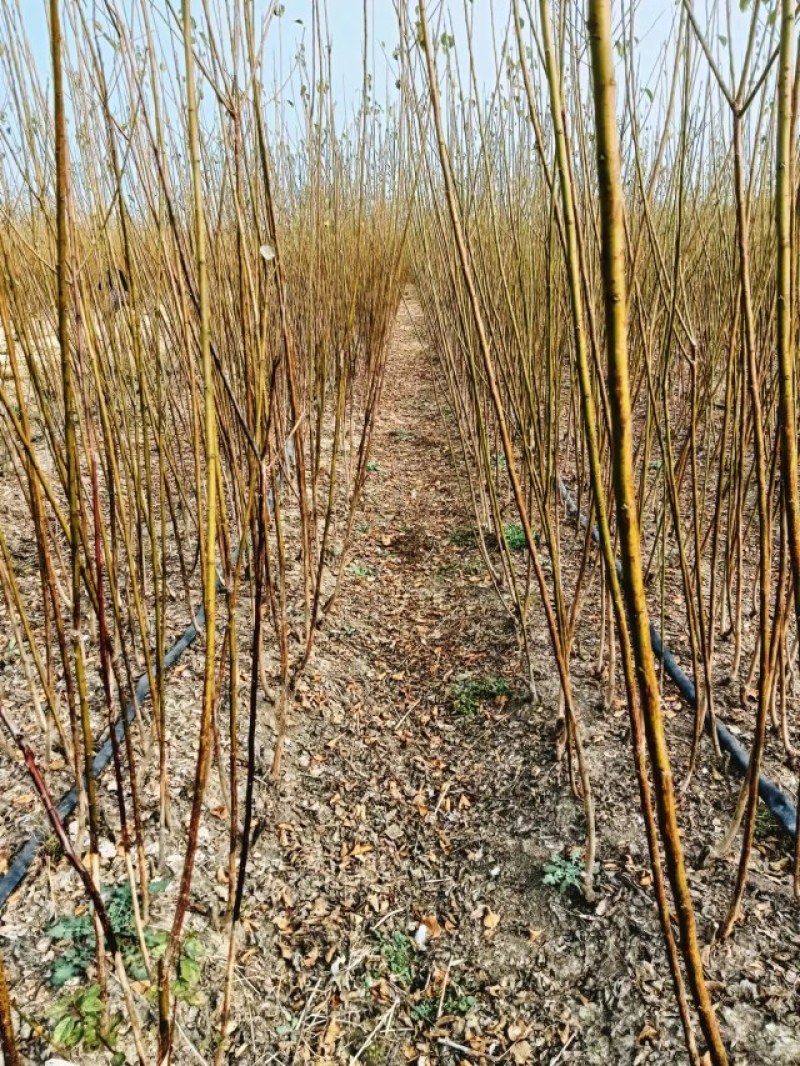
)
(654, 19)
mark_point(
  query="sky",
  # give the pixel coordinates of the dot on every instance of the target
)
(345, 22)
(654, 20)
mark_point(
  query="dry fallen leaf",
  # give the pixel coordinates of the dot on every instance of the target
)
(521, 1052)
(332, 1033)
(311, 957)
(516, 1030)
(490, 921)
(647, 1035)
(431, 923)
(321, 907)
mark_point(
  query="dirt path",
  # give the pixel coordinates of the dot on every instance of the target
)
(397, 910)
(384, 789)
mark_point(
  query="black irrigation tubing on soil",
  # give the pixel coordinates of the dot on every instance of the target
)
(23, 860)
(782, 809)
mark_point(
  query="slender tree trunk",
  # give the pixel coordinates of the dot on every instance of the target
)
(616, 312)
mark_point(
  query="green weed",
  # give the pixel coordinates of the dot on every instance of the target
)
(469, 693)
(565, 873)
(766, 826)
(377, 1054)
(362, 570)
(77, 954)
(78, 1020)
(399, 956)
(186, 985)
(77, 934)
(455, 1002)
(515, 537)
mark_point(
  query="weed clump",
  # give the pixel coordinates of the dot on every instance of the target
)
(566, 873)
(515, 537)
(468, 694)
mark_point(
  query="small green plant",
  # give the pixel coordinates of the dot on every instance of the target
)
(78, 1020)
(455, 1002)
(77, 955)
(468, 693)
(515, 537)
(289, 1029)
(766, 826)
(77, 934)
(376, 1054)
(425, 1011)
(399, 956)
(362, 570)
(186, 986)
(373, 466)
(563, 873)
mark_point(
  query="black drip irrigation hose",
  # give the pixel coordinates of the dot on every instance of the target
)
(781, 808)
(23, 860)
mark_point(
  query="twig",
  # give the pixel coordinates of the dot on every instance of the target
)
(444, 1042)
(386, 1017)
(560, 1055)
(444, 988)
